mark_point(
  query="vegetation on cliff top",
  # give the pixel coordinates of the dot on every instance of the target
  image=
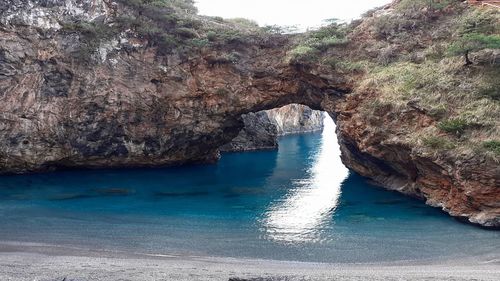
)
(477, 31)
(449, 70)
(439, 57)
(312, 44)
(460, 95)
(169, 26)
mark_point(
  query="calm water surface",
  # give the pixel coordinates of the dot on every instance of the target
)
(298, 203)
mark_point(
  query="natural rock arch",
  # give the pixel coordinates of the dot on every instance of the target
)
(131, 107)
(137, 109)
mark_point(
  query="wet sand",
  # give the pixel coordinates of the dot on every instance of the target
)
(49, 263)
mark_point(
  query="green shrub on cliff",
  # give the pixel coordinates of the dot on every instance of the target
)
(229, 36)
(318, 41)
(493, 146)
(491, 91)
(91, 30)
(166, 24)
(187, 6)
(405, 67)
(347, 65)
(456, 126)
(437, 142)
(302, 53)
(468, 43)
(185, 32)
(92, 34)
(477, 31)
(251, 24)
(411, 16)
(149, 6)
(169, 26)
(322, 44)
(423, 5)
(435, 84)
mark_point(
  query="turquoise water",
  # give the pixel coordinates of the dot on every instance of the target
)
(298, 203)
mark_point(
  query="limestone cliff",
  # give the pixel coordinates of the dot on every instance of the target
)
(262, 129)
(106, 83)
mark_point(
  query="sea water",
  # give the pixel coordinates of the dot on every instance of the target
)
(297, 203)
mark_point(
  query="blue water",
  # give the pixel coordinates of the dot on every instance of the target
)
(298, 203)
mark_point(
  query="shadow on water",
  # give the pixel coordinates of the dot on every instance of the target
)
(181, 194)
(93, 193)
(227, 177)
(375, 201)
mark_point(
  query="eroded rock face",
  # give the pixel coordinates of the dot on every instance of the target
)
(262, 129)
(465, 187)
(130, 107)
(296, 118)
(48, 14)
(258, 133)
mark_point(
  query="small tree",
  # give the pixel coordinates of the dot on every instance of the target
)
(474, 42)
(477, 31)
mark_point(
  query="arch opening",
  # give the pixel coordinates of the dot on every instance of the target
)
(306, 210)
(262, 129)
(301, 215)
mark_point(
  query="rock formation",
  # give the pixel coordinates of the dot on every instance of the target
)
(296, 118)
(263, 128)
(127, 105)
(258, 133)
(77, 91)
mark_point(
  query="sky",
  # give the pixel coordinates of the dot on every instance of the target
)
(301, 13)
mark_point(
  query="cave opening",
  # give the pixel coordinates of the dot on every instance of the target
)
(261, 130)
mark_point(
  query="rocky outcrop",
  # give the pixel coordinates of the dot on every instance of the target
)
(296, 118)
(50, 14)
(130, 105)
(262, 129)
(259, 133)
(465, 187)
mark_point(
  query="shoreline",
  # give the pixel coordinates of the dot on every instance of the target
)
(32, 261)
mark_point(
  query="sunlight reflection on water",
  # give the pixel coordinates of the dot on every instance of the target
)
(303, 214)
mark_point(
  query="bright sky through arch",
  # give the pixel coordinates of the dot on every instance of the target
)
(301, 13)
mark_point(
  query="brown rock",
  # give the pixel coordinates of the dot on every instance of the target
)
(130, 107)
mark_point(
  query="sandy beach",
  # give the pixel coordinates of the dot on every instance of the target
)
(22, 262)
